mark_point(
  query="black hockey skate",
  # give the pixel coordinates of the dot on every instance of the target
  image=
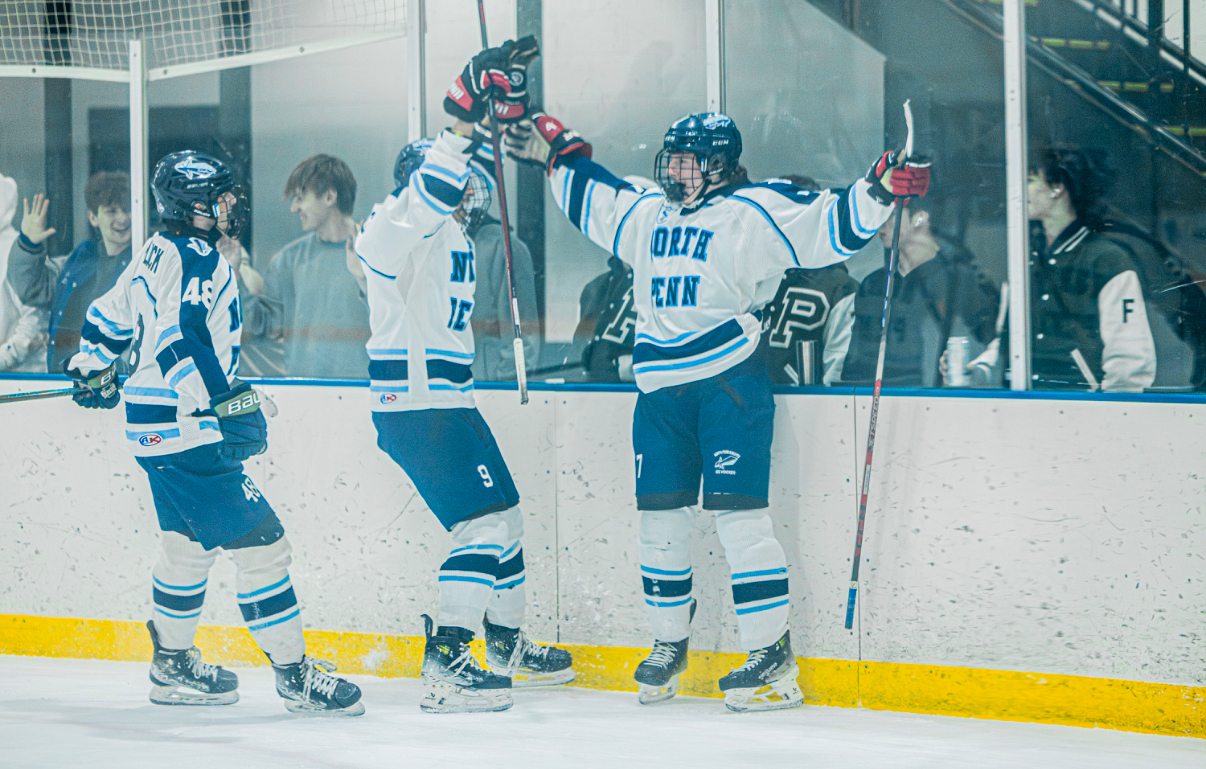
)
(453, 680)
(767, 680)
(309, 688)
(183, 678)
(527, 664)
(658, 674)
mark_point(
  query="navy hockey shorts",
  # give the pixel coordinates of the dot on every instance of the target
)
(204, 496)
(720, 427)
(451, 458)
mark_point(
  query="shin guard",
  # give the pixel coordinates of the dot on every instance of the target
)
(179, 579)
(666, 571)
(759, 575)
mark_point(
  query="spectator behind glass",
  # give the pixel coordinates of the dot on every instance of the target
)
(1088, 318)
(66, 285)
(306, 295)
(937, 293)
(810, 306)
(22, 328)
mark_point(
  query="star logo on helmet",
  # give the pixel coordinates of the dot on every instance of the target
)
(716, 120)
(195, 169)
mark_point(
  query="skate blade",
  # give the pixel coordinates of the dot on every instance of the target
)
(306, 709)
(449, 698)
(183, 695)
(650, 695)
(780, 694)
(533, 680)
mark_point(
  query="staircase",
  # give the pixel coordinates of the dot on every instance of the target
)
(1120, 58)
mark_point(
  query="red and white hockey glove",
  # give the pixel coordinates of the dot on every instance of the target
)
(499, 74)
(542, 140)
(894, 176)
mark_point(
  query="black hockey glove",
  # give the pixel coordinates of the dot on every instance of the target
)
(100, 390)
(542, 140)
(494, 73)
(895, 176)
(244, 429)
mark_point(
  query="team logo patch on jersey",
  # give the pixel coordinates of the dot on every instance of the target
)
(663, 214)
(389, 398)
(195, 169)
(150, 439)
(724, 460)
(200, 246)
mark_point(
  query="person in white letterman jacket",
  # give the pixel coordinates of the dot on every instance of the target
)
(708, 251)
(190, 424)
(420, 279)
(1089, 324)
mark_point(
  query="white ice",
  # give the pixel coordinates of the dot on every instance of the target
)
(87, 713)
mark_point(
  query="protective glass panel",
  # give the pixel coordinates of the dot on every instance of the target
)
(621, 86)
(55, 149)
(817, 89)
(1118, 248)
(318, 147)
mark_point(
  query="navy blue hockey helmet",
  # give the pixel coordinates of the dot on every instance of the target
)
(409, 159)
(190, 183)
(712, 137)
(479, 184)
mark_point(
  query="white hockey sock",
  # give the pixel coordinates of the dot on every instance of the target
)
(666, 571)
(179, 581)
(467, 577)
(759, 575)
(267, 601)
(506, 605)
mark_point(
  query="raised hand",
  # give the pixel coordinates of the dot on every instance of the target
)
(33, 223)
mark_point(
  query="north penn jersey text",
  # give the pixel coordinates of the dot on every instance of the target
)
(678, 291)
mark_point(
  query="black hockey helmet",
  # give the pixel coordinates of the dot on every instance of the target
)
(712, 137)
(190, 183)
(479, 184)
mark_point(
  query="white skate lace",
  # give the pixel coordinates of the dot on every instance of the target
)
(754, 659)
(316, 678)
(199, 667)
(524, 648)
(663, 655)
(458, 665)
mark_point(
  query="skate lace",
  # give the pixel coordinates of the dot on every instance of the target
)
(535, 650)
(316, 678)
(754, 659)
(663, 655)
(199, 667)
(458, 665)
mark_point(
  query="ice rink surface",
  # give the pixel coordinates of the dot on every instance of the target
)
(87, 713)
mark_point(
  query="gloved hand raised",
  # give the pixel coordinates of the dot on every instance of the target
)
(542, 140)
(895, 176)
(498, 74)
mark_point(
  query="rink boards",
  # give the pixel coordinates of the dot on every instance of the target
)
(1025, 558)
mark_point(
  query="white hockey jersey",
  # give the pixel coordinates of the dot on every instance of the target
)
(701, 277)
(177, 304)
(420, 280)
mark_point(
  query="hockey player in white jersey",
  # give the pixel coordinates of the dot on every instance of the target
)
(708, 250)
(190, 423)
(420, 280)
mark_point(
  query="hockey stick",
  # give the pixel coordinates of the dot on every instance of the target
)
(36, 395)
(521, 374)
(879, 378)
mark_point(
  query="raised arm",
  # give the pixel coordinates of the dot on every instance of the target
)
(591, 197)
